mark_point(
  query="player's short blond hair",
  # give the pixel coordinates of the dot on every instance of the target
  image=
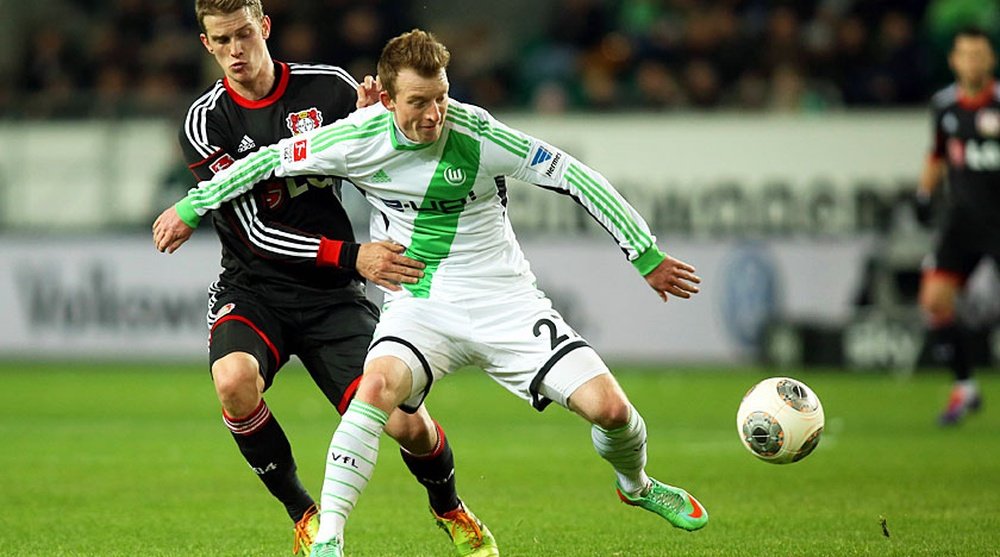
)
(223, 7)
(417, 50)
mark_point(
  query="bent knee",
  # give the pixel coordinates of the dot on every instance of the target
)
(236, 375)
(386, 382)
(602, 402)
(937, 298)
(613, 413)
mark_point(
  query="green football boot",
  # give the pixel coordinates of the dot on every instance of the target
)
(332, 548)
(305, 531)
(471, 537)
(672, 503)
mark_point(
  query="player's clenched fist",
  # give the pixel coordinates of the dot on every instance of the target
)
(169, 231)
(384, 264)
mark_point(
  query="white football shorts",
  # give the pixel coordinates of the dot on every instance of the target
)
(518, 339)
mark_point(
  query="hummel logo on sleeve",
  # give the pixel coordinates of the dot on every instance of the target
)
(541, 155)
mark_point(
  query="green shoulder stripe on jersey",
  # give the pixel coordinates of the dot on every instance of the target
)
(336, 129)
(610, 207)
(256, 168)
(497, 133)
(335, 134)
(437, 220)
(500, 130)
(515, 145)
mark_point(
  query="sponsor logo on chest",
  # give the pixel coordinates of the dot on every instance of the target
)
(988, 122)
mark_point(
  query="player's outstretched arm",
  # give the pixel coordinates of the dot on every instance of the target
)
(673, 277)
(169, 231)
(384, 264)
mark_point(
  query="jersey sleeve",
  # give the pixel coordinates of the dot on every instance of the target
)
(319, 151)
(518, 155)
(202, 138)
(938, 137)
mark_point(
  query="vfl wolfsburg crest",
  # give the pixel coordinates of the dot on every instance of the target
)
(454, 176)
(305, 120)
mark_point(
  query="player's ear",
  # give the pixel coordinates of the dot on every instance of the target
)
(265, 27)
(386, 100)
(204, 41)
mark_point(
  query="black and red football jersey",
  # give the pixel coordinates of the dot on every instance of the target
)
(967, 139)
(271, 235)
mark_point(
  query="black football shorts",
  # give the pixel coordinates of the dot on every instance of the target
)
(964, 241)
(330, 338)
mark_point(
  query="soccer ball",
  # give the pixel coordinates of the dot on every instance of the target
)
(780, 420)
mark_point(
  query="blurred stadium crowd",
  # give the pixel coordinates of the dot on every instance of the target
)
(109, 58)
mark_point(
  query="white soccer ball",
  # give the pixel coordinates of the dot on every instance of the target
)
(780, 420)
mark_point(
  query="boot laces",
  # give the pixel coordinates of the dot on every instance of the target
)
(303, 537)
(670, 499)
(461, 520)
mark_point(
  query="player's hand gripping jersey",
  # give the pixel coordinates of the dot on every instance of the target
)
(446, 200)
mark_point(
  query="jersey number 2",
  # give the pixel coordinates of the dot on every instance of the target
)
(555, 340)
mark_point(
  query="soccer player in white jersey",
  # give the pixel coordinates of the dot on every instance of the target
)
(434, 170)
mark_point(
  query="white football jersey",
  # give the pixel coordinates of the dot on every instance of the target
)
(447, 200)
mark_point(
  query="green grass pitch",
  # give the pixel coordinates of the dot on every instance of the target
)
(134, 460)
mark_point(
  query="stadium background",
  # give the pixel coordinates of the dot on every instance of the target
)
(774, 145)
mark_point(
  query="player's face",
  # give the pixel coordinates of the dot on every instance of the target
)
(972, 60)
(420, 105)
(237, 40)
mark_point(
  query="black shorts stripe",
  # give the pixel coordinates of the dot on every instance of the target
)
(537, 400)
(423, 362)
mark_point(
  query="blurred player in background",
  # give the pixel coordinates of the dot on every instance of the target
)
(290, 281)
(966, 149)
(435, 170)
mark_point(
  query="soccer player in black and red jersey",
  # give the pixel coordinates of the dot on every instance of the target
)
(967, 150)
(290, 282)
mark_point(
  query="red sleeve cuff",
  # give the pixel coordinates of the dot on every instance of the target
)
(337, 253)
(329, 252)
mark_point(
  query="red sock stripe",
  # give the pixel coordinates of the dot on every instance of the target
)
(440, 444)
(438, 448)
(250, 424)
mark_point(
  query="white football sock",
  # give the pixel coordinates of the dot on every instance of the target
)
(625, 449)
(349, 465)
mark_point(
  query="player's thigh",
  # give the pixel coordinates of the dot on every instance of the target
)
(332, 342)
(531, 351)
(238, 323)
(956, 255)
(427, 336)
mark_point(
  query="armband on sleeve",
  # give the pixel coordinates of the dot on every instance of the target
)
(337, 253)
